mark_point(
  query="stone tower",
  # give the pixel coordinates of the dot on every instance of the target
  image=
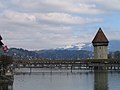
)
(100, 43)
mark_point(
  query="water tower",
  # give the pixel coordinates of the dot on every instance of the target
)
(100, 43)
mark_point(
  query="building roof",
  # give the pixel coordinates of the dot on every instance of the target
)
(0, 37)
(100, 37)
(1, 43)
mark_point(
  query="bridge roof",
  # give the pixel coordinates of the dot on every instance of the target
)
(100, 37)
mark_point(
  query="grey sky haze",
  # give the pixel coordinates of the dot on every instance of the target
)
(45, 24)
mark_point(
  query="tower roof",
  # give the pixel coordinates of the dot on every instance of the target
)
(1, 43)
(0, 37)
(100, 37)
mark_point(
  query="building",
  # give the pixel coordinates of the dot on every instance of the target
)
(100, 43)
(6, 72)
(1, 46)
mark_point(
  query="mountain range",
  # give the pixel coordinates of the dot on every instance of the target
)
(73, 52)
(114, 45)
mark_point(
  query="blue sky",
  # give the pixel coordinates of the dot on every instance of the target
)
(45, 24)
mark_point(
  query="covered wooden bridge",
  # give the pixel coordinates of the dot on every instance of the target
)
(90, 64)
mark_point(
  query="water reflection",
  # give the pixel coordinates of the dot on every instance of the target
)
(100, 80)
(65, 80)
(6, 87)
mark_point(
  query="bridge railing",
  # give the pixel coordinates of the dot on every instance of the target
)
(70, 61)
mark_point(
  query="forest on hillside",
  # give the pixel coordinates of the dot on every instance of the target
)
(21, 54)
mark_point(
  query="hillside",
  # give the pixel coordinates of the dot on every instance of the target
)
(21, 54)
(73, 52)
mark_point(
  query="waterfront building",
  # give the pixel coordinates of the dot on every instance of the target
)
(1, 46)
(6, 72)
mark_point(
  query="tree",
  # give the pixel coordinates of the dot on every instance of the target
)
(5, 61)
(117, 54)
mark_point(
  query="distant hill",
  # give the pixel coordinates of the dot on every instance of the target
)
(114, 45)
(21, 54)
(65, 54)
(70, 52)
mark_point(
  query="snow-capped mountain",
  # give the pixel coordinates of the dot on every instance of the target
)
(114, 45)
(77, 46)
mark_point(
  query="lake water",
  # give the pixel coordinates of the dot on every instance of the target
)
(66, 80)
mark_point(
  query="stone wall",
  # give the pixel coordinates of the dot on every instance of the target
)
(100, 52)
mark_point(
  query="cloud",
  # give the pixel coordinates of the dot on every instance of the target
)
(18, 17)
(2, 6)
(49, 18)
(68, 19)
(44, 24)
(38, 39)
(109, 4)
(72, 6)
(65, 6)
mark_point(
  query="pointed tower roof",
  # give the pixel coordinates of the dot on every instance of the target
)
(0, 37)
(1, 43)
(100, 37)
